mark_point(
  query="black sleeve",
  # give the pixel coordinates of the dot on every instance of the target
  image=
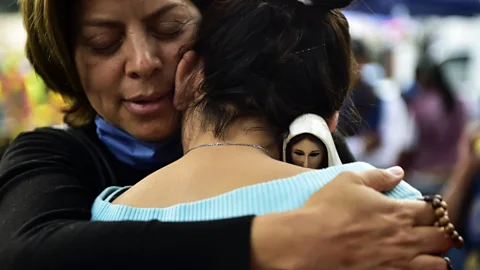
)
(45, 213)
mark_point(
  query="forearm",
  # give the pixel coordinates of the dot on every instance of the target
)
(131, 245)
(456, 189)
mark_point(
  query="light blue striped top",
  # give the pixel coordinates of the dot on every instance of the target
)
(268, 197)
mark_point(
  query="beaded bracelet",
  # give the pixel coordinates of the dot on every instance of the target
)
(442, 219)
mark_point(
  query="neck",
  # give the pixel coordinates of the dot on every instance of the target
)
(242, 131)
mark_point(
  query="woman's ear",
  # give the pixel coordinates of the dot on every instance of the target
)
(186, 81)
(332, 122)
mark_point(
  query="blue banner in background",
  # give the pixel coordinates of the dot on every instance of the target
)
(420, 7)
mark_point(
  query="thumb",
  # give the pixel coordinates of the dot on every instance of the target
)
(382, 180)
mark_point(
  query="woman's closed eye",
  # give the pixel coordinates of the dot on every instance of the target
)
(168, 30)
(104, 43)
(109, 42)
(314, 154)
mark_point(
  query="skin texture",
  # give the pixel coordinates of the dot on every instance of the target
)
(398, 233)
(126, 54)
(462, 178)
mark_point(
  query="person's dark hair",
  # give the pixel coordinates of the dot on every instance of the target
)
(344, 152)
(273, 59)
(444, 88)
(432, 75)
(49, 26)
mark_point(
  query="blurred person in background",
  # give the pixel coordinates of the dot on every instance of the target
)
(380, 137)
(462, 193)
(412, 92)
(439, 120)
(361, 114)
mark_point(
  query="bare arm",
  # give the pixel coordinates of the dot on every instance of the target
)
(456, 190)
(460, 181)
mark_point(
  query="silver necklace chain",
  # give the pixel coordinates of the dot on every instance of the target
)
(230, 144)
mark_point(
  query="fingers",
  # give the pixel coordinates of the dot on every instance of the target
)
(430, 262)
(431, 240)
(382, 180)
(423, 214)
(190, 56)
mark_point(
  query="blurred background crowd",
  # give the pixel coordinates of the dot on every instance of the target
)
(418, 89)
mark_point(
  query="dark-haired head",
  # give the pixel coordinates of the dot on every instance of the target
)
(273, 60)
(431, 76)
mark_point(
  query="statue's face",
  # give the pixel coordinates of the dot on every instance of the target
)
(308, 153)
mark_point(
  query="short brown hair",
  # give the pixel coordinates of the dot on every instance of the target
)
(50, 27)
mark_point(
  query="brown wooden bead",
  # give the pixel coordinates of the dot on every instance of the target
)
(455, 236)
(444, 221)
(438, 197)
(436, 203)
(436, 224)
(439, 212)
(449, 263)
(459, 243)
(449, 229)
(444, 205)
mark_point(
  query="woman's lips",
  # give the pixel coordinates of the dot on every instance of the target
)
(146, 105)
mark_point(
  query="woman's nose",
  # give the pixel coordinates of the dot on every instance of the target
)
(144, 60)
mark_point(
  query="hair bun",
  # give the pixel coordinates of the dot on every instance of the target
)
(328, 4)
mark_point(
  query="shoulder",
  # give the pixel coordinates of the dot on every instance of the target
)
(56, 154)
(59, 142)
(44, 134)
